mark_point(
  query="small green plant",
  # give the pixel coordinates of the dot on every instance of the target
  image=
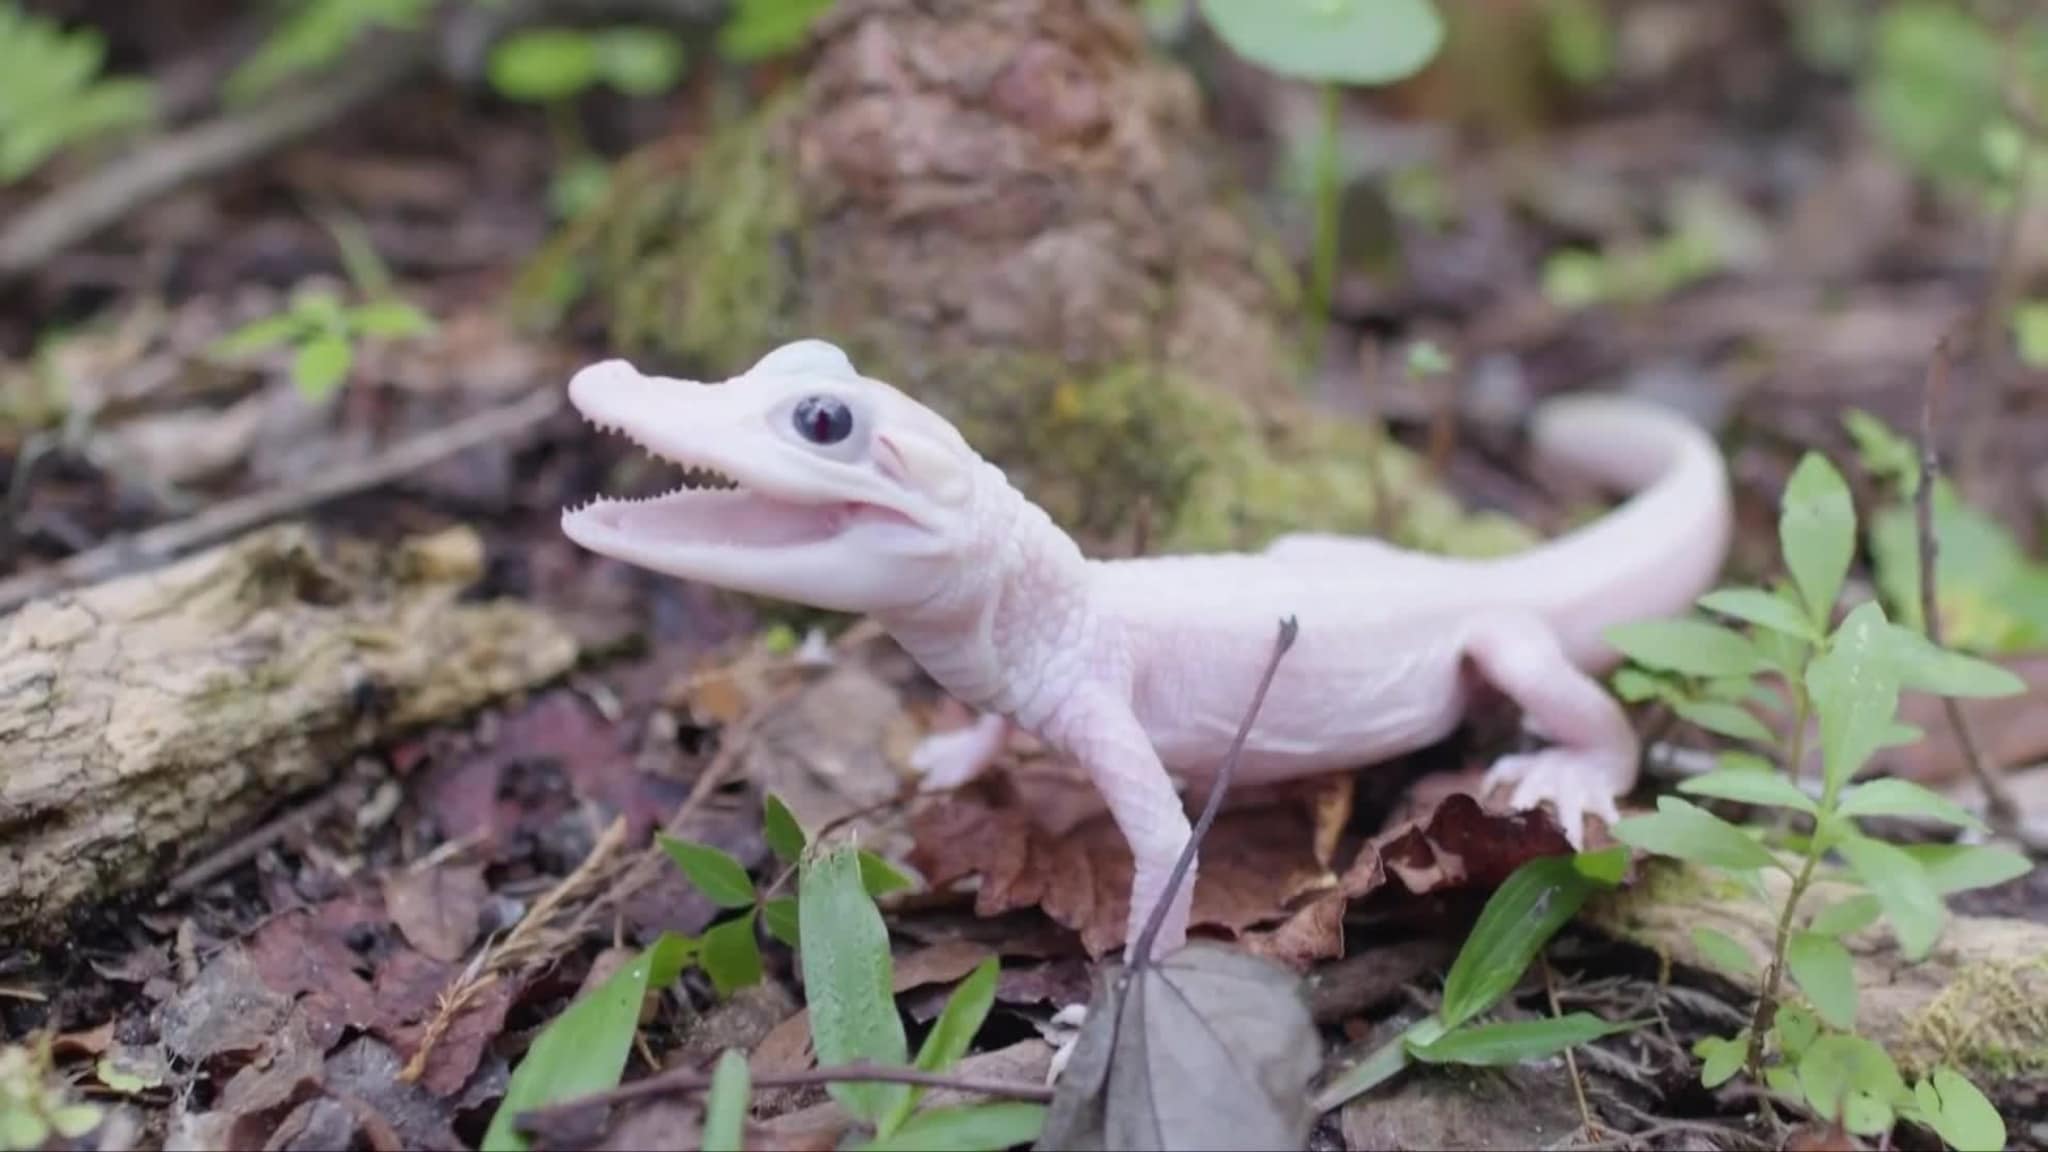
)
(52, 93)
(760, 29)
(1849, 675)
(842, 947)
(34, 1104)
(1521, 916)
(1332, 44)
(323, 333)
(313, 34)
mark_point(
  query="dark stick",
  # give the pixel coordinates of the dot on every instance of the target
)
(686, 1080)
(1142, 954)
(2002, 813)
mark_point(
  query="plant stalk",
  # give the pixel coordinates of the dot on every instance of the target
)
(1328, 198)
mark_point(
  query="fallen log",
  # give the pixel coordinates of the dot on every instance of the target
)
(145, 719)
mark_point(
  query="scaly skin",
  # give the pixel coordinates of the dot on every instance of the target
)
(1140, 670)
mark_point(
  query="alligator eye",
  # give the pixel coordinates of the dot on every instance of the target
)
(823, 419)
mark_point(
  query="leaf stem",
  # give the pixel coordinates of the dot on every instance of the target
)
(689, 1080)
(1142, 953)
(1767, 998)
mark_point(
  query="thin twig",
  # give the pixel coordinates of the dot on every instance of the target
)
(687, 1080)
(1142, 953)
(245, 848)
(70, 214)
(2000, 811)
(167, 541)
(1571, 1063)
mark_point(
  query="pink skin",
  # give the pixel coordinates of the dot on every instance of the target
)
(1140, 670)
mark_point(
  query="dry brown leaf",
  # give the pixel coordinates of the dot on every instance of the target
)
(438, 908)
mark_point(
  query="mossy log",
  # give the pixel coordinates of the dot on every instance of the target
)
(1978, 1001)
(145, 719)
(1013, 210)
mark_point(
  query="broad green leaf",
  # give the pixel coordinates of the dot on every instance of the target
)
(846, 973)
(1687, 646)
(1721, 950)
(1856, 693)
(638, 61)
(731, 955)
(969, 1128)
(1796, 1029)
(1954, 868)
(1751, 787)
(1761, 608)
(758, 29)
(1847, 916)
(1959, 1113)
(1891, 796)
(1721, 1057)
(1817, 532)
(543, 65)
(1849, 1077)
(584, 1049)
(1605, 867)
(1635, 685)
(1330, 41)
(1681, 830)
(269, 332)
(1724, 719)
(780, 918)
(951, 1034)
(1519, 918)
(880, 877)
(389, 318)
(1922, 666)
(722, 879)
(1826, 974)
(1513, 1041)
(780, 828)
(321, 364)
(725, 1107)
(1738, 761)
(1902, 888)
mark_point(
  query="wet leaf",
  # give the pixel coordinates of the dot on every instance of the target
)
(584, 1049)
(846, 972)
(1210, 1048)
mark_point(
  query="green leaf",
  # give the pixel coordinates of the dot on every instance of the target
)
(639, 61)
(1635, 685)
(725, 1106)
(584, 1049)
(269, 332)
(1902, 888)
(1681, 830)
(1330, 41)
(1513, 1041)
(1519, 918)
(1922, 666)
(1721, 1057)
(1605, 867)
(2030, 332)
(1848, 1077)
(321, 364)
(1687, 646)
(780, 828)
(1728, 720)
(1749, 786)
(72, 1121)
(543, 65)
(1796, 1029)
(1817, 532)
(731, 955)
(951, 1034)
(880, 877)
(1954, 868)
(1846, 917)
(1826, 974)
(846, 975)
(1891, 796)
(969, 1128)
(779, 916)
(390, 318)
(1761, 608)
(1959, 1113)
(1856, 693)
(759, 29)
(1721, 950)
(722, 879)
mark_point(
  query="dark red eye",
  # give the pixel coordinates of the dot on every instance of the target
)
(823, 419)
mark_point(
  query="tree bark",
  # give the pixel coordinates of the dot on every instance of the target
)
(145, 719)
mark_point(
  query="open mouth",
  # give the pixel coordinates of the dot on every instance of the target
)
(710, 509)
